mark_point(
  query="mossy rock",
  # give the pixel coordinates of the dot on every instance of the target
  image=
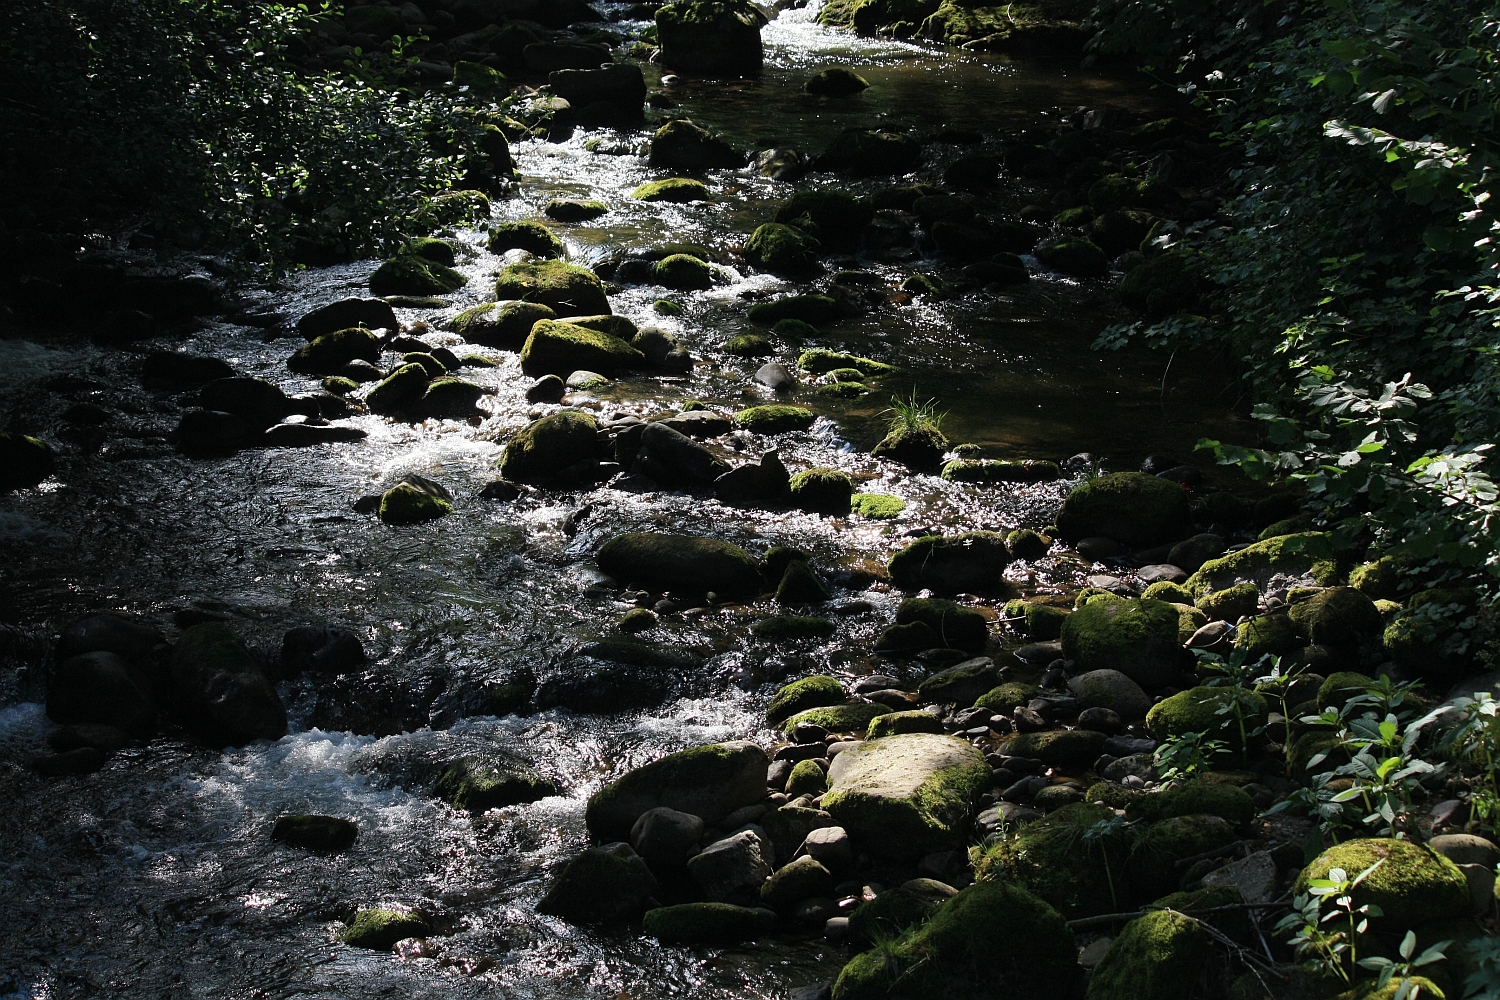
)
(852, 718)
(1075, 748)
(799, 696)
(1027, 544)
(328, 354)
(478, 786)
(431, 365)
(897, 723)
(337, 385)
(602, 885)
(568, 210)
(1286, 526)
(1196, 797)
(707, 923)
(1230, 604)
(835, 81)
(1052, 859)
(973, 562)
(450, 399)
(1006, 698)
(990, 932)
(1152, 864)
(559, 348)
(821, 361)
(834, 213)
(414, 274)
(379, 930)
(1273, 635)
(328, 834)
(500, 324)
(807, 778)
(958, 626)
(1235, 923)
(813, 309)
(709, 782)
(673, 189)
(749, 345)
(1131, 507)
(568, 289)
(989, 471)
(1276, 563)
(1042, 622)
(405, 504)
(661, 561)
(876, 506)
(775, 418)
(1165, 590)
(783, 249)
(684, 273)
(1115, 191)
(822, 491)
(800, 584)
(433, 249)
(1381, 578)
(666, 307)
(638, 620)
(1414, 883)
(897, 910)
(1139, 638)
(533, 237)
(917, 447)
(792, 628)
(1107, 793)
(871, 153)
(1340, 618)
(1156, 957)
(910, 638)
(1197, 710)
(794, 329)
(1162, 285)
(1076, 257)
(547, 446)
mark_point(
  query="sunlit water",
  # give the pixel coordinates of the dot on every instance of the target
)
(155, 876)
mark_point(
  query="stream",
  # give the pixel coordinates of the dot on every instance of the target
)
(155, 875)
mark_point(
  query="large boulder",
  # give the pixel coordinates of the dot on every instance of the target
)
(709, 782)
(254, 400)
(1215, 710)
(667, 455)
(101, 687)
(1341, 619)
(493, 781)
(223, 695)
(500, 324)
(870, 153)
(682, 145)
(1131, 507)
(692, 564)
(544, 448)
(559, 348)
(328, 353)
(1156, 957)
(603, 885)
(372, 314)
(961, 684)
(609, 94)
(109, 633)
(1413, 885)
(958, 627)
(1050, 858)
(567, 288)
(710, 37)
(1273, 564)
(1139, 638)
(992, 941)
(973, 562)
(732, 870)
(707, 923)
(1111, 689)
(907, 796)
(784, 250)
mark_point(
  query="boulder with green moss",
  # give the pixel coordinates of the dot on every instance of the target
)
(909, 795)
(406, 504)
(414, 274)
(973, 562)
(813, 309)
(1052, 859)
(1165, 590)
(994, 470)
(989, 934)
(568, 289)
(783, 249)
(1431, 635)
(1161, 286)
(707, 923)
(1227, 801)
(1274, 564)
(1412, 885)
(682, 145)
(916, 446)
(1340, 618)
(897, 910)
(450, 399)
(835, 81)
(1139, 638)
(876, 506)
(683, 272)
(660, 561)
(749, 345)
(1381, 578)
(1027, 544)
(1073, 256)
(1131, 507)
(1042, 622)
(775, 418)
(560, 348)
(958, 626)
(1219, 711)
(960, 684)
(570, 210)
(500, 324)
(833, 213)
(1230, 604)
(1272, 634)
(822, 491)
(533, 237)
(792, 628)
(602, 885)
(709, 782)
(798, 696)
(807, 778)
(398, 391)
(678, 190)
(1159, 956)
(480, 784)
(1113, 690)
(896, 723)
(545, 447)
(1189, 621)
(380, 929)
(1067, 748)
(910, 638)
(852, 718)
(1003, 699)
(710, 37)
(223, 696)
(328, 354)
(821, 361)
(1152, 864)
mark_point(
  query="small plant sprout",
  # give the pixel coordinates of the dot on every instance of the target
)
(1328, 942)
(1186, 755)
(910, 415)
(1389, 969)
(1100, 834)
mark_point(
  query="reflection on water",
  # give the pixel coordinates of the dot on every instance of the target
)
(156, 876)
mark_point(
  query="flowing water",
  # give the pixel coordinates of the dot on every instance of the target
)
(155, 876)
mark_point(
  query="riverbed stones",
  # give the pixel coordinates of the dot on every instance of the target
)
(254, 400)
(223, 695)
(1273, 564)
(370, 313)
(973, 562)
(662, 349)
(800, 695)
(710, 37)
(908, 795)
(320, 649)
(677, 190)
(693, 564)
(329, 353)
(399, 390)
(775, 418)
(1138, 638)
(545, 448)
(682, 145)
(603, 885)
(1414, 883)
(1111, 689)
(958, 627)
(607, 94)
(568, 289)
(324, 834)
(104, 688)
(1132, 508)
(709, 782)
(803, 878)
(667, 455)
(822, 491)
(529, 235)
(1158, 956)
(556, 347)
(414, 274)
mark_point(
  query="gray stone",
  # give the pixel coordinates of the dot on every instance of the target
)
(1255, 877)
(804, 878)
(777, 377)
(1113, 690)
(731, 870)
(1142, 766)
(831, 847)
(1159, 572)
(664, 836)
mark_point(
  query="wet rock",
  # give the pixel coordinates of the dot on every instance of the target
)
(682, 145)
(802, 879)
(715, 38)
(732, 870)
(765, 481)
(379, 930)
(707, 923)
(676, 190)
(1192, 553)
(1159, 956)
(871, 153)
(811, 309)
(327, 834)
(108, 633)
(570, 210)
(479, 784)
(915, 447)
(173, 368)
(83, 760)
(1130, 507)
(957, 626)
(529, 235)
(555, 347)
(307, 435)
(568, 289)
(835, 81)
(660, 561)
(1113, 690)
(608, 94)
(412, 273)
(801, 585)
(547, 389)
(1139, 638)
(822, 491)
(707, 781)
(321, 649)
(665, 837)
(500, 324)
(784, 250)
(603, 885)
(95, 735)
(101, 687)
(566, 440)
(408, 503)
(450, 399)
(662, 349)
(372, 314)
(211, 433)
(1204, 709)
(223, 696)
(601, 690)
(698, 423)
(671, 457)
(331, 353)
(781, 164)
(969, 563)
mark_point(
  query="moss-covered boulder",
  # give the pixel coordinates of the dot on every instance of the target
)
(1152, 864)
(1414, 883)
(689, 563)
(958, 626)
(1113, 690)
(683, 272)
(1161, 286)
(907, 796)
(1156, 957)
(24, 461)
(1131, 507)
(545, 447)
(896, 723)
(1027, 544)
(792, 628)
(749, 345)
(1274, 564)
(602, 885)
(1077, 257)
(678, 190)
(807, 778)
(813, 309)
(478, 785)
(328, 354)
(1273, 634)
(833, 213)
(775, 418)
(566, 288)
(413, 274)
(1042, 622)
(707, 923)
(800, 584)
(1165, 590)
(450, 399)
(1067, 748)
(989, 471)
(835, 81)
(1190, 798)
(852, 718)
(1340, 618)
(877, 506)
(406, 504)
(500, 324)
(1217, 711)
(559, 348)
(798, 696)
(710, 37)
(897, 910)
(871, 153)
(916, 447)
(1230, 604)
(1003, 699)
(783, 249)
(570, 210)
(821, 361)
(709, 782)
(822, 491)
(1139, 638)
(399, 391)
(380, 929)
(973, 562)
(682, 145)
(533, 237)
(1052, 859)
(993, 939)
